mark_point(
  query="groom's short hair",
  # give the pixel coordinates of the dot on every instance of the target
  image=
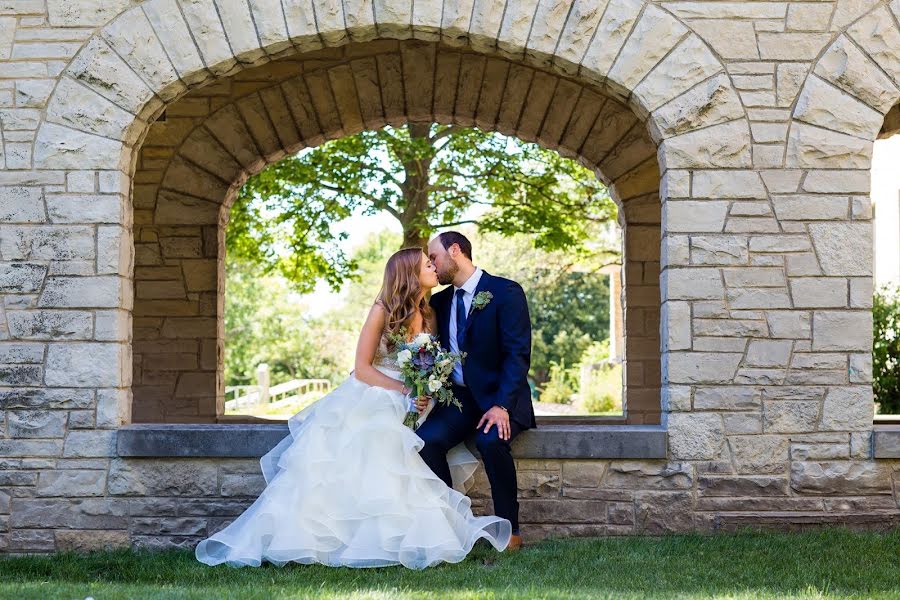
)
(448, 238)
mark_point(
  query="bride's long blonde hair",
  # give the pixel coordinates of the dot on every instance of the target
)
(401, 292)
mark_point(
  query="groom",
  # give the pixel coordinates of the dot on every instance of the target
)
(486, 317)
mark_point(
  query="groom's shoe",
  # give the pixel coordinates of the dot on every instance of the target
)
(515, 543)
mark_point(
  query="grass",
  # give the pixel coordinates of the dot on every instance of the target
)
(825, 563)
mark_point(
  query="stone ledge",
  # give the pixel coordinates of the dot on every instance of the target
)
(254, 440)
(886, 441)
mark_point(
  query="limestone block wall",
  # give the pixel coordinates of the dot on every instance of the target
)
(761, 116)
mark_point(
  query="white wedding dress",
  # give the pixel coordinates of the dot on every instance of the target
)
(347, 487)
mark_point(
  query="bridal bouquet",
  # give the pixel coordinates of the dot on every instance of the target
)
(426, 369)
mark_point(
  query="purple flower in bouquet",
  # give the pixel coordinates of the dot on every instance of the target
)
(423, 360)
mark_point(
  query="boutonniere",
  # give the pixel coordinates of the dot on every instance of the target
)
(481, 300)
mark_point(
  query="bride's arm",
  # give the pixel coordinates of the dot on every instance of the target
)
(369, 338)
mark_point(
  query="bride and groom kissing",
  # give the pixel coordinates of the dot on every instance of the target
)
(351, 485)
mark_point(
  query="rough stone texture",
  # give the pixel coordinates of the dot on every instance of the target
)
(843, 248)
(840, 477)
(696, 436)
(173, 478)
(736, 137)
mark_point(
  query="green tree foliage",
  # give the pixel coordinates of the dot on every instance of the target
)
(265, 323)
(568, 296)
(425, 176)
(603, 392)
(360, 291)
(886, 350)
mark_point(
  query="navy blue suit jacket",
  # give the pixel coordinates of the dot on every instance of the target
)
(497, 341)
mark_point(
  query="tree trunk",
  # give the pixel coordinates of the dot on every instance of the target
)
(414, 218)
(414, 238)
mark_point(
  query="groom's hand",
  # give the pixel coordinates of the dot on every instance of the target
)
(496, 416)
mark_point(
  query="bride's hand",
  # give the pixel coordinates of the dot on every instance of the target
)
(422, 403)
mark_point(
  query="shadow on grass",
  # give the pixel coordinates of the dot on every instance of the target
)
(833, 562)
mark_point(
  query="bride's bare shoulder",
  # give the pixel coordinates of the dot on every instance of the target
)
(377, 316)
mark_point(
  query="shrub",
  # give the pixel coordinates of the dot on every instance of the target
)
(561, 386)
(597, 352)
(886, 350)
(603, 393)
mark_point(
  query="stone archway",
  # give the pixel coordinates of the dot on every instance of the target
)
(187, 179)
(635, 54)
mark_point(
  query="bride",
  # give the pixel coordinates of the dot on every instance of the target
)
(347, 487)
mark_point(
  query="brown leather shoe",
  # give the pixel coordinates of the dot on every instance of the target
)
(515, 543)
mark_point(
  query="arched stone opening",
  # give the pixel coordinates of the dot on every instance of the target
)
(634, 51)
(192, 164)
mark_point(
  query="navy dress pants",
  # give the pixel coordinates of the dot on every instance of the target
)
(447, 426)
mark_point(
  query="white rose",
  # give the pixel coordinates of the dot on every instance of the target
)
(434, 385)
(403, 357)
(422, 339)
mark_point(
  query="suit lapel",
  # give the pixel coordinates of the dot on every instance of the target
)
(482, 286)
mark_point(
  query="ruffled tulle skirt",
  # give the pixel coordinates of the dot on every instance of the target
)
(347, 487)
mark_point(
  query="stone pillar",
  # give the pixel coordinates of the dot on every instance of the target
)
(641, 309)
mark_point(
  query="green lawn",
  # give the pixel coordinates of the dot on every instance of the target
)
(820, 564)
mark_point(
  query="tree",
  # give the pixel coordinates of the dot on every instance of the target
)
(427, 177)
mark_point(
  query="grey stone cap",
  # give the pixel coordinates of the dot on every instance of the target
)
(886, 441)
(254, 440)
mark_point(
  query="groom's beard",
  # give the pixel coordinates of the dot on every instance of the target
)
(446, 277)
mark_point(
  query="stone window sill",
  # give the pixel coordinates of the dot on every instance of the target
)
(254, 440)
(886, 440)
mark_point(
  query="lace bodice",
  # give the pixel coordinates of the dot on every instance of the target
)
(383, 357)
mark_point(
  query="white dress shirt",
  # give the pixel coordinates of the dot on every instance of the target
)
(469, 287)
